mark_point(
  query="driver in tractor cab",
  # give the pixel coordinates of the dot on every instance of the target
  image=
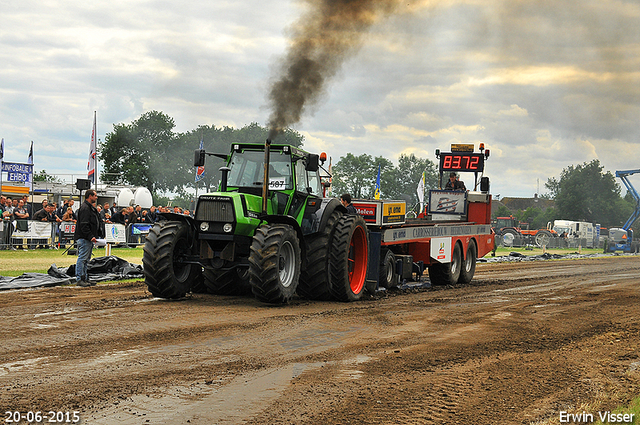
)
(454, 183)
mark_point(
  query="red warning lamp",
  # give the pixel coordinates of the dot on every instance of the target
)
(486, 153)
(323, 157)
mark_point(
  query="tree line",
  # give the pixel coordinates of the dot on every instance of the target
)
(149, 153)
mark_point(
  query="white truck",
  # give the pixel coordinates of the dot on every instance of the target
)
(574, 230)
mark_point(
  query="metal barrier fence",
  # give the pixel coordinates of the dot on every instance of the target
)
(519, 241)
(29, 234)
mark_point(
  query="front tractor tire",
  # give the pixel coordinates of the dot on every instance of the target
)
(274, 263)
(349, 258)
(166, 273)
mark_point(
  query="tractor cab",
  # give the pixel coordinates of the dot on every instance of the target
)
(289, 170)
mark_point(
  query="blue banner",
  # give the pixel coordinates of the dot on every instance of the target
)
(15, 174)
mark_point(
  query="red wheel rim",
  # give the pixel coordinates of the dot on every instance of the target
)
(358, 256)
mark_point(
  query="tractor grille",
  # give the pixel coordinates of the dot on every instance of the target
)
(214, 209)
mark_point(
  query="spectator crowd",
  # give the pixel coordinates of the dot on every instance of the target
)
(16, 211)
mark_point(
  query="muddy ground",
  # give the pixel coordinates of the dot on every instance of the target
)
(519, 345)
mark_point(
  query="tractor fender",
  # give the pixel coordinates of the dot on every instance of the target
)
(190, 221)
(181, 217)
(328, 206)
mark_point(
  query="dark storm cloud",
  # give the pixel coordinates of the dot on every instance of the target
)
(321, 40)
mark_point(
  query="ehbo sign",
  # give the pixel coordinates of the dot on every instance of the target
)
(17, 174)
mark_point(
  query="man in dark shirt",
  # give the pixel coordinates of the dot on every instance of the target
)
(345, 199)
(454, 183)
(41, 215)
(87, 232)
(20, 212)
(119, 217)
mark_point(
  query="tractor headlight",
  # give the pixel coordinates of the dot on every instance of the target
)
(228, 227)
(204, 226)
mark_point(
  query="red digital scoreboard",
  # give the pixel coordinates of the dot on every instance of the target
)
(464, 162)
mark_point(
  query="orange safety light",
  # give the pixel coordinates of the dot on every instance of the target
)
(323, 156)
(481, 147)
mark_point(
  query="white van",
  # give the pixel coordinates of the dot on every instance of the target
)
(575, 230)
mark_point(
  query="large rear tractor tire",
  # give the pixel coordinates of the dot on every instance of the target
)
(227, 282)
(275, 259)
(388, 276)
(349, 258)
(468, 268)
(447, 273)
(315, 280)
(166, 273)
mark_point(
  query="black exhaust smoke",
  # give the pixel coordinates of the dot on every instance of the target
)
(321, 41)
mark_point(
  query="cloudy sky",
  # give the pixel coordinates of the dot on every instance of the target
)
(544, 84)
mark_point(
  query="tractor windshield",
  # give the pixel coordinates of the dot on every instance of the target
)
(247, 170)
(504, 222)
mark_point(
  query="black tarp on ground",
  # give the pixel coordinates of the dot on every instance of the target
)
(100, 269)
(33, 280)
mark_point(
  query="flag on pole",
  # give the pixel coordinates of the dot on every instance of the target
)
(91, 165)
(376, 194)
(420, 191)
(1, 157)
(330, 177)
(200, 170)
(30, 162)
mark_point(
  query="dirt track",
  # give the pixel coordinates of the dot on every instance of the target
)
(522, 343)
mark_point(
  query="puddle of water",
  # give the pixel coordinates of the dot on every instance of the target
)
(544, 305)
(113, 357)
(42, 326)
(231, 403)
(220, 403)
(7, 368)
(66, 310)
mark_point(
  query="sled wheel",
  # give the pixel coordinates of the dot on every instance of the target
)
(274, 260)
(469, 264)
(388, 276)
(315, 279)
(227, 282)
(349, 258)
(447, 273)
(166, 273)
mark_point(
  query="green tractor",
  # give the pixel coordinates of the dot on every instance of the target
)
(267, 231)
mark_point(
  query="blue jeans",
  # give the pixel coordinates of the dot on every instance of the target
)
(85, 246)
